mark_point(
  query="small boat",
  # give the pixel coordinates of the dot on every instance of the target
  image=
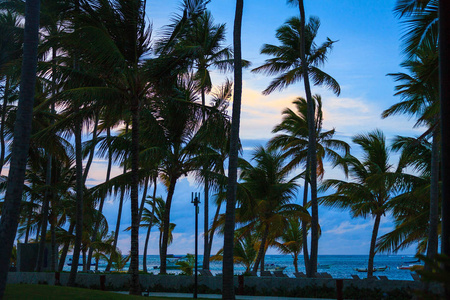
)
(79, 264)
(320, 266)
(410, 267)
(171, 262)
(273, 267)
(412, 262)
(374, 269)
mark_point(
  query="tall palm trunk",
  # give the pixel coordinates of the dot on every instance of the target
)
(373, 241)
(30, 214)
(79, 182)
(134, 198)
(166, 225)
(66, 246)
(312, 157)
(433, 238)
(102, 201)
(206, 248)
(22, 132)
(119, 213)
(305, 226)
(444, 79)
(230, 219)
(45, 209)
(147, 237)
(2, 124)
(261, 250)
(79, 202)
(54, 251)
(206, 253)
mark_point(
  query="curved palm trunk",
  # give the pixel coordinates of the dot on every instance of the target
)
(261, 251)
(166, 226)
(144, 196)
(102, 201)
(230, 219)
(2, 124)
(91, 154)
(79, 203)
(296, 262)
(211, 234)
(372, 245)
(65, 249)
(134, 198)
(147, 237)
(433, 238)
(22, 132)
(312, 158)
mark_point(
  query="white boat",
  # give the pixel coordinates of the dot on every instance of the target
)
(273, 267)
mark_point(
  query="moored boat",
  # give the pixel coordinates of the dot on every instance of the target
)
(273, 267)
(374, 269)
(410, 267)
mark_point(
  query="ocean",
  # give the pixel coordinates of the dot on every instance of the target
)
(340, 266)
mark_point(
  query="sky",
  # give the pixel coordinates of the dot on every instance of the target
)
(368, 47)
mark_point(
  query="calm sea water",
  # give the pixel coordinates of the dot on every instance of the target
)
(340, 266)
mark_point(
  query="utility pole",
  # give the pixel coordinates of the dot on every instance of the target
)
(195, 199)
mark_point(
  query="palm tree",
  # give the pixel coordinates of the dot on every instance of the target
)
(291, 241)
(10, 50)
(245, 251)
(374, 183)
(228, 258)
(22, 131)
(118, 40)
(419, 91)
(292, 138)
(267, 206)
(204, 43)
(298, 58)
(411, 207)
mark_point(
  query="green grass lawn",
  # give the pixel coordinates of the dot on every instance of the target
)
(48, 292)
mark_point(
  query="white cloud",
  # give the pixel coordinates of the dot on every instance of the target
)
(346, 226)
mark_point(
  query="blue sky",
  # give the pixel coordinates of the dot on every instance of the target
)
(368, 48)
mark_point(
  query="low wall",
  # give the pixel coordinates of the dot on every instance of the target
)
(184, 283)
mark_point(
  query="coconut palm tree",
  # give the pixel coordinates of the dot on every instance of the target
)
(204, 42)
(228, 269)
(245, 251)
(374, 182)
(267, 206)
(292, 139)
(22, 130)
(419, 92)
(10, 50)
(291, 241)
(411, 207)
(299, 58)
